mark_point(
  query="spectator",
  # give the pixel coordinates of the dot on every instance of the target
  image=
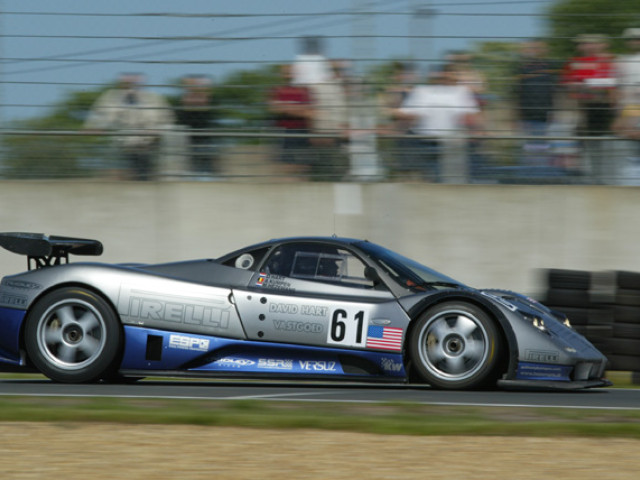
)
(311, 66)
(627, 123)
(139, 115)
(293, 113)
(313, 70)
(535, 88)
(446, 112)
(196, 113)
(628, 70)
(468, 76)
(590, 79)
(407, 149)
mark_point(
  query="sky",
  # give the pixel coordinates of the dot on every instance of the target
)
(51, 48)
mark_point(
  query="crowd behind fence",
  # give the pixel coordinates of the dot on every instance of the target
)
(541, 120)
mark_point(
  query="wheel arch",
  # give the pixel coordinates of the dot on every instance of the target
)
(504, 327)
(60, 286)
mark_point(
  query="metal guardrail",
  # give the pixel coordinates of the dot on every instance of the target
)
(492, 157)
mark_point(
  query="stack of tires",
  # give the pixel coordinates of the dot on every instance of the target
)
(624, 345)
(579, 295)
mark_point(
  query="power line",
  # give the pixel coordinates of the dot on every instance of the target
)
(264, 15)
(276, 23)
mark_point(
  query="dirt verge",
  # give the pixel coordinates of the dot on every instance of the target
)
(108, 451)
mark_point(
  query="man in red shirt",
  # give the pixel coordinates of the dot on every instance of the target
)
(590, 79)
(293, 112)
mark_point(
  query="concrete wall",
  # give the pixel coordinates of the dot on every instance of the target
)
(484, 235)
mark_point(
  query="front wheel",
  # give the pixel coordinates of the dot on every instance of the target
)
(456, 345)
(72, 335)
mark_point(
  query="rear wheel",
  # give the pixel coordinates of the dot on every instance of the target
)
(73, 335)
(456, 345)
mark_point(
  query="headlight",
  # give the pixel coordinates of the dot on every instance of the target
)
(539, 324)
(567, 323)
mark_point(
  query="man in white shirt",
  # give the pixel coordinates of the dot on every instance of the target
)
(140, 115)
(444, 111)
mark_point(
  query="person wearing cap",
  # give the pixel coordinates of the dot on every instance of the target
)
(591, 81)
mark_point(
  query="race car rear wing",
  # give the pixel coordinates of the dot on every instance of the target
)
(44, 251)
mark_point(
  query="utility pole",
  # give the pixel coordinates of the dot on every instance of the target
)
(363, 156)
(421, 32)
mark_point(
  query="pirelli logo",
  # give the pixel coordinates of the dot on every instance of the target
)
(13, 300)
(152, 308)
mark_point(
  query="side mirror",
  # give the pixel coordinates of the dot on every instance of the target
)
(371, 273)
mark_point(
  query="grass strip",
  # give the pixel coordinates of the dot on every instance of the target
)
(391, 419)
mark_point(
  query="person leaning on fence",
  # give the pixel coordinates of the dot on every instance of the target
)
(627, 123)
(405, 153)
(315, 71)
(292, 110)
(590, 80)
(535, 86)
(139, 115)
(447, 112)
(195, 112)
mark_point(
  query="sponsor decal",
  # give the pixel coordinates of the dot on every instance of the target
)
(211, 313)
(184, 342)
(317, 365)
(274, 282)
(13, 300)
(542, 356)
(275, 364)
(385, 338)
(21, 284)
(235, 362)
(292, 326)
(390, 365)
(537, 371)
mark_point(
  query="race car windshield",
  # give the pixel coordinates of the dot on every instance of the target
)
(407, 272)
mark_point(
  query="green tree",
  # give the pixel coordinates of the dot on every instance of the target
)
(43, 153)
(241, 98)
(569, 18)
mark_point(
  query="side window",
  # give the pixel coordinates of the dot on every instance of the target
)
(318, 262)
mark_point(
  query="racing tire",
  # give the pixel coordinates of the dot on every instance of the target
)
(456, 345)
(73, 335)
(628, 280)
(626, 330)
(568, 279)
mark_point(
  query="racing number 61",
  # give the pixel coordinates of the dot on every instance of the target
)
(339, 328)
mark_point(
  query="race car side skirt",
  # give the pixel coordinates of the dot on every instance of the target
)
(10, 335)
(152, 350)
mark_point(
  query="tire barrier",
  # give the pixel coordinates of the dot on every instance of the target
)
(602, 306)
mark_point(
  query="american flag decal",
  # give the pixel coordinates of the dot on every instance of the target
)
(384, 338)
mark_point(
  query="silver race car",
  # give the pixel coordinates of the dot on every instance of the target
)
(306, 308)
